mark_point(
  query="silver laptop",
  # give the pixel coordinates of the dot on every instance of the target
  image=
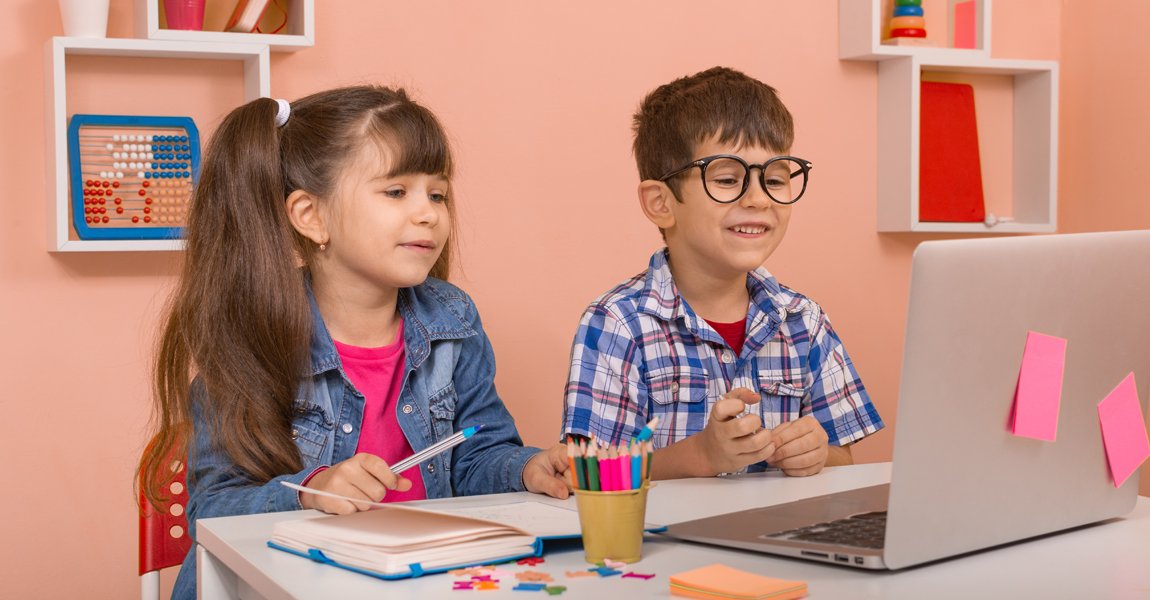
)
(960, 481)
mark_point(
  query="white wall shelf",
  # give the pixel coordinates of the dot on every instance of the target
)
(1034, 179)
(1034, 156)
(861, 26)
(300, 28)
(256, 84)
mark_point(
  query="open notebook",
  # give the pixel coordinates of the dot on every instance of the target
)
(395, 541)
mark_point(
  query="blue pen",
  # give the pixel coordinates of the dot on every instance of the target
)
(434, 449)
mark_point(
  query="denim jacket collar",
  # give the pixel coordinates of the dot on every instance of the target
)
(428, 315)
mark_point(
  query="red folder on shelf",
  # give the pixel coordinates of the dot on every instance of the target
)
(950, 173)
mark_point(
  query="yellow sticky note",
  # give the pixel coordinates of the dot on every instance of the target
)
(721, 581)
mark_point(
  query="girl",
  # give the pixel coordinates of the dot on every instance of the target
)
(321, 349)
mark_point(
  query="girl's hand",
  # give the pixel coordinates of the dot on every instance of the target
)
(546, 473)
(364, 475)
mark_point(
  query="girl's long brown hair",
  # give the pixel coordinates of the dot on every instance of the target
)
(239, 319)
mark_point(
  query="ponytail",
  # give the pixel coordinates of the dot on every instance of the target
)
(240, 317)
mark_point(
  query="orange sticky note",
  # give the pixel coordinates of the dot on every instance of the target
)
(721, 581)
(1123, 430)
(1039, 390)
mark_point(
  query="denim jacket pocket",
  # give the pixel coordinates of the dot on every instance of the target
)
(310, 431)
(441, 405)
(674, 385)
(782, 400)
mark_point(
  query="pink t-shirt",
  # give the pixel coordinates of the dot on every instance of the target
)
(378, 374)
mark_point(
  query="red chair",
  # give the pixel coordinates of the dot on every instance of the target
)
(164, 537)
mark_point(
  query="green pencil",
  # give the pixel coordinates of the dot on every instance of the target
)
(592, 467)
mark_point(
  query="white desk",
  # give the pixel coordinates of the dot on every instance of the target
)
(1109, 560)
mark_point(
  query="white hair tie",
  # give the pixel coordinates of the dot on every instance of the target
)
(283, 113)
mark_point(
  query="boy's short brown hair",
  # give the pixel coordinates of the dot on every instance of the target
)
(675, 118)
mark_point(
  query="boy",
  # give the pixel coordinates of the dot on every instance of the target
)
(739, 370)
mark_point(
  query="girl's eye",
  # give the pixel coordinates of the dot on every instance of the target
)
(395, 193)
(777, 182)
(437, 197)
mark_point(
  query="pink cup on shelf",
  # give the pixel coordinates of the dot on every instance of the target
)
(185, 14)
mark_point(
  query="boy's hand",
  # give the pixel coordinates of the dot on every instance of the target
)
(730, 441)
(802, 447)
(364, 475)
(546, 473)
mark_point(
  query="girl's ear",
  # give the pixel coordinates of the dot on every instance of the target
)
(304, 214)
(657, 200)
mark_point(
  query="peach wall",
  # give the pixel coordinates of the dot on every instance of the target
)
(537, 97)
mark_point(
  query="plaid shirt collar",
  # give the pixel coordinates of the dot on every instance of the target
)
(659, 296)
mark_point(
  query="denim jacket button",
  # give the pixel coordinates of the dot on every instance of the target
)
(407, 409)
(294, 434)
(431, 468)
(347, 428)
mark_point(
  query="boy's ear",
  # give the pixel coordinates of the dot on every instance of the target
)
(304, 214)
(656, 200)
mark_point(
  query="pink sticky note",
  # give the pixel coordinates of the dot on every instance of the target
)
(1123, 430)
(1039, 391)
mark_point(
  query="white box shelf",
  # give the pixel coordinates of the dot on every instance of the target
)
(860, 34)
(1034, 191)
(256, 84)
(1034, 155)
(300, 28)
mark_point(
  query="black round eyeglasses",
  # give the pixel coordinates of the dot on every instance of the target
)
(726, 177)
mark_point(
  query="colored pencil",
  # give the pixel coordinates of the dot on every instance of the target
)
(613, 468)
(580, 469)
(624, 469)
(649, 430)
(571, 464)
(645, 460)
(592, 466)
(636, 467)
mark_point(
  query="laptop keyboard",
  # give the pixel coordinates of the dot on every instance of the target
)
(864, 530)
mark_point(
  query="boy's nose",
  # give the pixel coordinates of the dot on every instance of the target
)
(755, 196)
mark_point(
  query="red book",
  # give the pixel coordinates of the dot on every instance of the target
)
(949, 170)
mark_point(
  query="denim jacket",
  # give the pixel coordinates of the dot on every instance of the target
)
(449, 384)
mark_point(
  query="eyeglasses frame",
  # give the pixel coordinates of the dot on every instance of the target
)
(804, 167)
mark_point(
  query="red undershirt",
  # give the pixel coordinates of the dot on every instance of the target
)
(378, 374)
(732, 333)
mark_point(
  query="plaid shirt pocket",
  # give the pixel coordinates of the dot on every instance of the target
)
(782, 399)
(678, 397)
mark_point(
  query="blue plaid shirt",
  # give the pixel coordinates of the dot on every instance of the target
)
(642, 352)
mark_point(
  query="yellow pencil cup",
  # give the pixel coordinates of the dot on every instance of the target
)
(612, 524)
